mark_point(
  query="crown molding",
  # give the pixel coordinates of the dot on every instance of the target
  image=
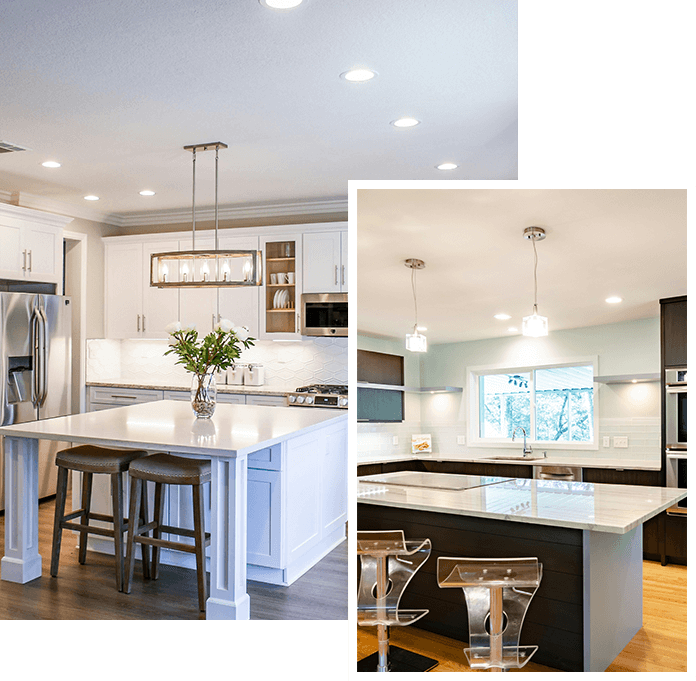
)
(178, 216)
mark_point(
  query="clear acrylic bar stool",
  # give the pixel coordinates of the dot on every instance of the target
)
(387, 563)
(497, 592)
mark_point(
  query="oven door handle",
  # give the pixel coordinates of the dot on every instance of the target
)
(676, 455)
(675, 389)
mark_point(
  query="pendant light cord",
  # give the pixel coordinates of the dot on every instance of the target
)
(415, 302)
(535, 274)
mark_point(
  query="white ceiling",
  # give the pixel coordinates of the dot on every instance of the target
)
(114, 90)
(599, 243)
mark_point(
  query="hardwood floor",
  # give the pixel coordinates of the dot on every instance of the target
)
(88, 592)
(660, 646)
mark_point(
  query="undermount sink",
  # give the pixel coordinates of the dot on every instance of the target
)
(513, 458)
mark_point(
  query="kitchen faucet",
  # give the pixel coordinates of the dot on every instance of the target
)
(525, 450)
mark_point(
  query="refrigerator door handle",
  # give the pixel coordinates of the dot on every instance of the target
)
(44, 356)
(35, 387)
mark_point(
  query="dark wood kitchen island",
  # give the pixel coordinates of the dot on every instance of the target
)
(587, 536)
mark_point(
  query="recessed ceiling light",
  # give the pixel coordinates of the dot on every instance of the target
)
(358, 75)
(405, 122)
(447, 166)
(614, 299)
(147, 192)
(280, 4)
(91, 197)
(51, 164)
(502, 316)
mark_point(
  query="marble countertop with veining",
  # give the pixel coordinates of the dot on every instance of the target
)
(580, 505)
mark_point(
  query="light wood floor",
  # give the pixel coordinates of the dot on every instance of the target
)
(88, 592)
(660, 646)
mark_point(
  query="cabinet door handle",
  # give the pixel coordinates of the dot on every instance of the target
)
(336, 275)
(143, 323)
(297, 323)
(24, 261)
(343, 275)
(138, 323)
(30, 259)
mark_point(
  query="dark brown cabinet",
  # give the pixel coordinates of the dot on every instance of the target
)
(673, 318)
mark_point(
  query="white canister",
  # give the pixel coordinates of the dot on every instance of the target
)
(253, 374)
(235, 374)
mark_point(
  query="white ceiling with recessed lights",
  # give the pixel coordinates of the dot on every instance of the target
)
(599, 243)
(114, 90)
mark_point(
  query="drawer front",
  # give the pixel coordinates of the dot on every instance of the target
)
(230, 398)
(266, 459)
(267, 400)
(181, 395)
(121, 396)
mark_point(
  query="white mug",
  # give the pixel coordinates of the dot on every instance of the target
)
(290, 277)
(282, 277)
(274, 279)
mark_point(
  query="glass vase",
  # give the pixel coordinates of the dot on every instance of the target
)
(203, 394)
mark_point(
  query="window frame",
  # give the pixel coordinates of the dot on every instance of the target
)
(473, 425)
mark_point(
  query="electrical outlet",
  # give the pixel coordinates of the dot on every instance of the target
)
(621, 442)
(395, 440)
(461, 439)
(606, 441)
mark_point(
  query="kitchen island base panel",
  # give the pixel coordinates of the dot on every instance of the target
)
(573, 590)
(21, 562)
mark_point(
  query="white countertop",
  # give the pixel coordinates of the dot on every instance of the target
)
(168, 425)
(580, 505)
(579, 461)
(139, 384)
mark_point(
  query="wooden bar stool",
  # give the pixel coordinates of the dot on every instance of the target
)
(89, 459)
(166, 469)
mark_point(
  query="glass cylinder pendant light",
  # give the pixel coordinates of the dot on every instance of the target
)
(535, 325)
(208, 268)
(415, 342)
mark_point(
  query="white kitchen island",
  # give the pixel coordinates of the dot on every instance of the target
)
(235, 435)
(587, 536)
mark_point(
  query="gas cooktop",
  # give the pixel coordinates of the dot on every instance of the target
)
(320, 395)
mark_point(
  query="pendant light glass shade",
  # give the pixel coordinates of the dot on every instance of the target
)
(209, 268)
(535, 325)
(416, 342)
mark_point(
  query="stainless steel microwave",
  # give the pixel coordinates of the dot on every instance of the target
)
(324, 314)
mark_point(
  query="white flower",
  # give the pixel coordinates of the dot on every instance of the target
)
(174, 326)
(224, 325)
(189, 327)
(241, 332)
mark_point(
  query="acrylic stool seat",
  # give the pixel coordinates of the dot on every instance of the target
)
(497, 592)
(388, 562)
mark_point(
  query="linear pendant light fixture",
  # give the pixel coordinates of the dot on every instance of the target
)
(415, 342)
(203, 269)
(535, 325)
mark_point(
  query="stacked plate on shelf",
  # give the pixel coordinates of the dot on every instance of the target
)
(281, 299)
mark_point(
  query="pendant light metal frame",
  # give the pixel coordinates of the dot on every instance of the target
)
(415, 342)
(535, 325)
(214, 265)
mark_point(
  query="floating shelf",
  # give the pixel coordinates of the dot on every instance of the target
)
(628, 378)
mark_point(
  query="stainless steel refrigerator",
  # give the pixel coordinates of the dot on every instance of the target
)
(35, 371)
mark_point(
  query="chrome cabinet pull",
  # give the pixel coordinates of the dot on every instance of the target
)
(343, 275)
(138, 323)
(297, 323)
(336, 275)
(143, 323)
(30, 259)
(24, 261)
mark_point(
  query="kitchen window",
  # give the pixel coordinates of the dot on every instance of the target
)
(555, 404)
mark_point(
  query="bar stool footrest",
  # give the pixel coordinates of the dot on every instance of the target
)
(514, 657)
(400, 660)
(391, 617)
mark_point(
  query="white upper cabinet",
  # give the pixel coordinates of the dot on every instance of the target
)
(290, 254)
(32, 245)
(324, 266)
(134, 309)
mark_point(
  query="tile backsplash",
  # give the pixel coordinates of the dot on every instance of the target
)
(319, 360)
(643, 433)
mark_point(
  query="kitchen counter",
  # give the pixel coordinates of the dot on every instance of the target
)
(272, 389)
(579, 505)
(579, 461)
(587, 536)
(234, 435)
